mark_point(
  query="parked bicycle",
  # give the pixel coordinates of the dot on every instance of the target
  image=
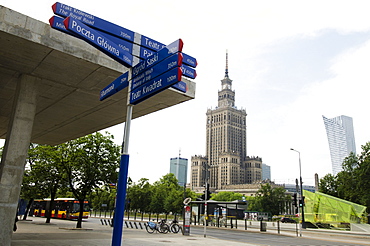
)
(160, 227)
(174, 226)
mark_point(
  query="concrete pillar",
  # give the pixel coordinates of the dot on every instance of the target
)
(15, 153)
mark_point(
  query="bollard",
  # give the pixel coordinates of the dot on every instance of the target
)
(262, 226)
(245, 224)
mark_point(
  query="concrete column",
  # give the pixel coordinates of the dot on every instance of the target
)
(15, 153)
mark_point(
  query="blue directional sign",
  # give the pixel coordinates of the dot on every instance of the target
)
(188, 71)
(106, 26)
(180, 86)
(118, 84)
(136, 50)
(163, 66)
(99, 41)
(157, 57)
(88, 19)
(56, 22)
(189, 60)
(155, 86)
(113, 29)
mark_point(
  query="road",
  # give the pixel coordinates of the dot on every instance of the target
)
(259, 238)
(253, 236)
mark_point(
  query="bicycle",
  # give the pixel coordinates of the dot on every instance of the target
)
(160, 227)
(174, 226)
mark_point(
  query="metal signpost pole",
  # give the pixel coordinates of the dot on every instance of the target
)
(301, 201)
(122, 182)
(205, 211)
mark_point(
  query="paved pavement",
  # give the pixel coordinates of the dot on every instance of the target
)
(63, 232)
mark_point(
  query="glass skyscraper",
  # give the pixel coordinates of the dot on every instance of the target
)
(179, 167)
(341, 140)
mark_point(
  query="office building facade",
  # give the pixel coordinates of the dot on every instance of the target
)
(266, 172)
(179, 167)
(341, 140)
(226, 161)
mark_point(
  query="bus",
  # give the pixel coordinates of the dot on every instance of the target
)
(63, 208)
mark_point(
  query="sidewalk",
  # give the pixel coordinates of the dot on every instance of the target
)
(63, 232)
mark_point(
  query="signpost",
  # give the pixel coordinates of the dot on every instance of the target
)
(106, 26)
(163, 67)
(157, 57)
(167, 64)
(99, 41)
(115, 30)
(91, 20)
(188, 71)
(118, 84)
(136, 50)
(155, 85)
(180, 86)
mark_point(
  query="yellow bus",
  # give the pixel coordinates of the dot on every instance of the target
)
(63, 208)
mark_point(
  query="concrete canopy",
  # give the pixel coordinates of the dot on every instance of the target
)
(70, 74)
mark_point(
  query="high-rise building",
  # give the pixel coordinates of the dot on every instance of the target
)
(266, 172)
(226, 161)
(179, 167)
(341, 140)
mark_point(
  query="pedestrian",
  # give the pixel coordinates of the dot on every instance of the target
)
(15, 223)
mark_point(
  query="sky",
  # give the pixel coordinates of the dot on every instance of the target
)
(290, 61)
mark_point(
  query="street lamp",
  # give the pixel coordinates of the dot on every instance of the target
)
(300, 177)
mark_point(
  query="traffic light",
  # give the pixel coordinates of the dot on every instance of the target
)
(203, 197)
(301, 202)
(295, 199)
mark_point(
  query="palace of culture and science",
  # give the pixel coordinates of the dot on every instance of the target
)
(226, 164)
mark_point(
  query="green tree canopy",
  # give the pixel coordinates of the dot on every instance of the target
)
(329, 185)
(352, 183)
(89, 162)
(163, 196)
(44, 175)
(139, 195)
(269, 199)
(226, 196)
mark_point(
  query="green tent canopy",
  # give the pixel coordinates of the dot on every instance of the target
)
(322, 208)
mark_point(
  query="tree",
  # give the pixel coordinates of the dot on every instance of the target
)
(103, 195)
(89, 162)
(352, 183)
(269, 199)
(45, 175)
(363, 174)
(329, 185)
(347, 179)
(139, 195)
(166, 195)
(227, 196)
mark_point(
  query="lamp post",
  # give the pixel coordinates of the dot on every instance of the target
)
(301, 193)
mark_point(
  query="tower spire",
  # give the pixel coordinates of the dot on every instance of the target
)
(227, 66)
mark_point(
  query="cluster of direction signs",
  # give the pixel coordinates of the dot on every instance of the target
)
(154, 66)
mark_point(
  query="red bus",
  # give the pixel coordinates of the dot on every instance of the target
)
(63, 208)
